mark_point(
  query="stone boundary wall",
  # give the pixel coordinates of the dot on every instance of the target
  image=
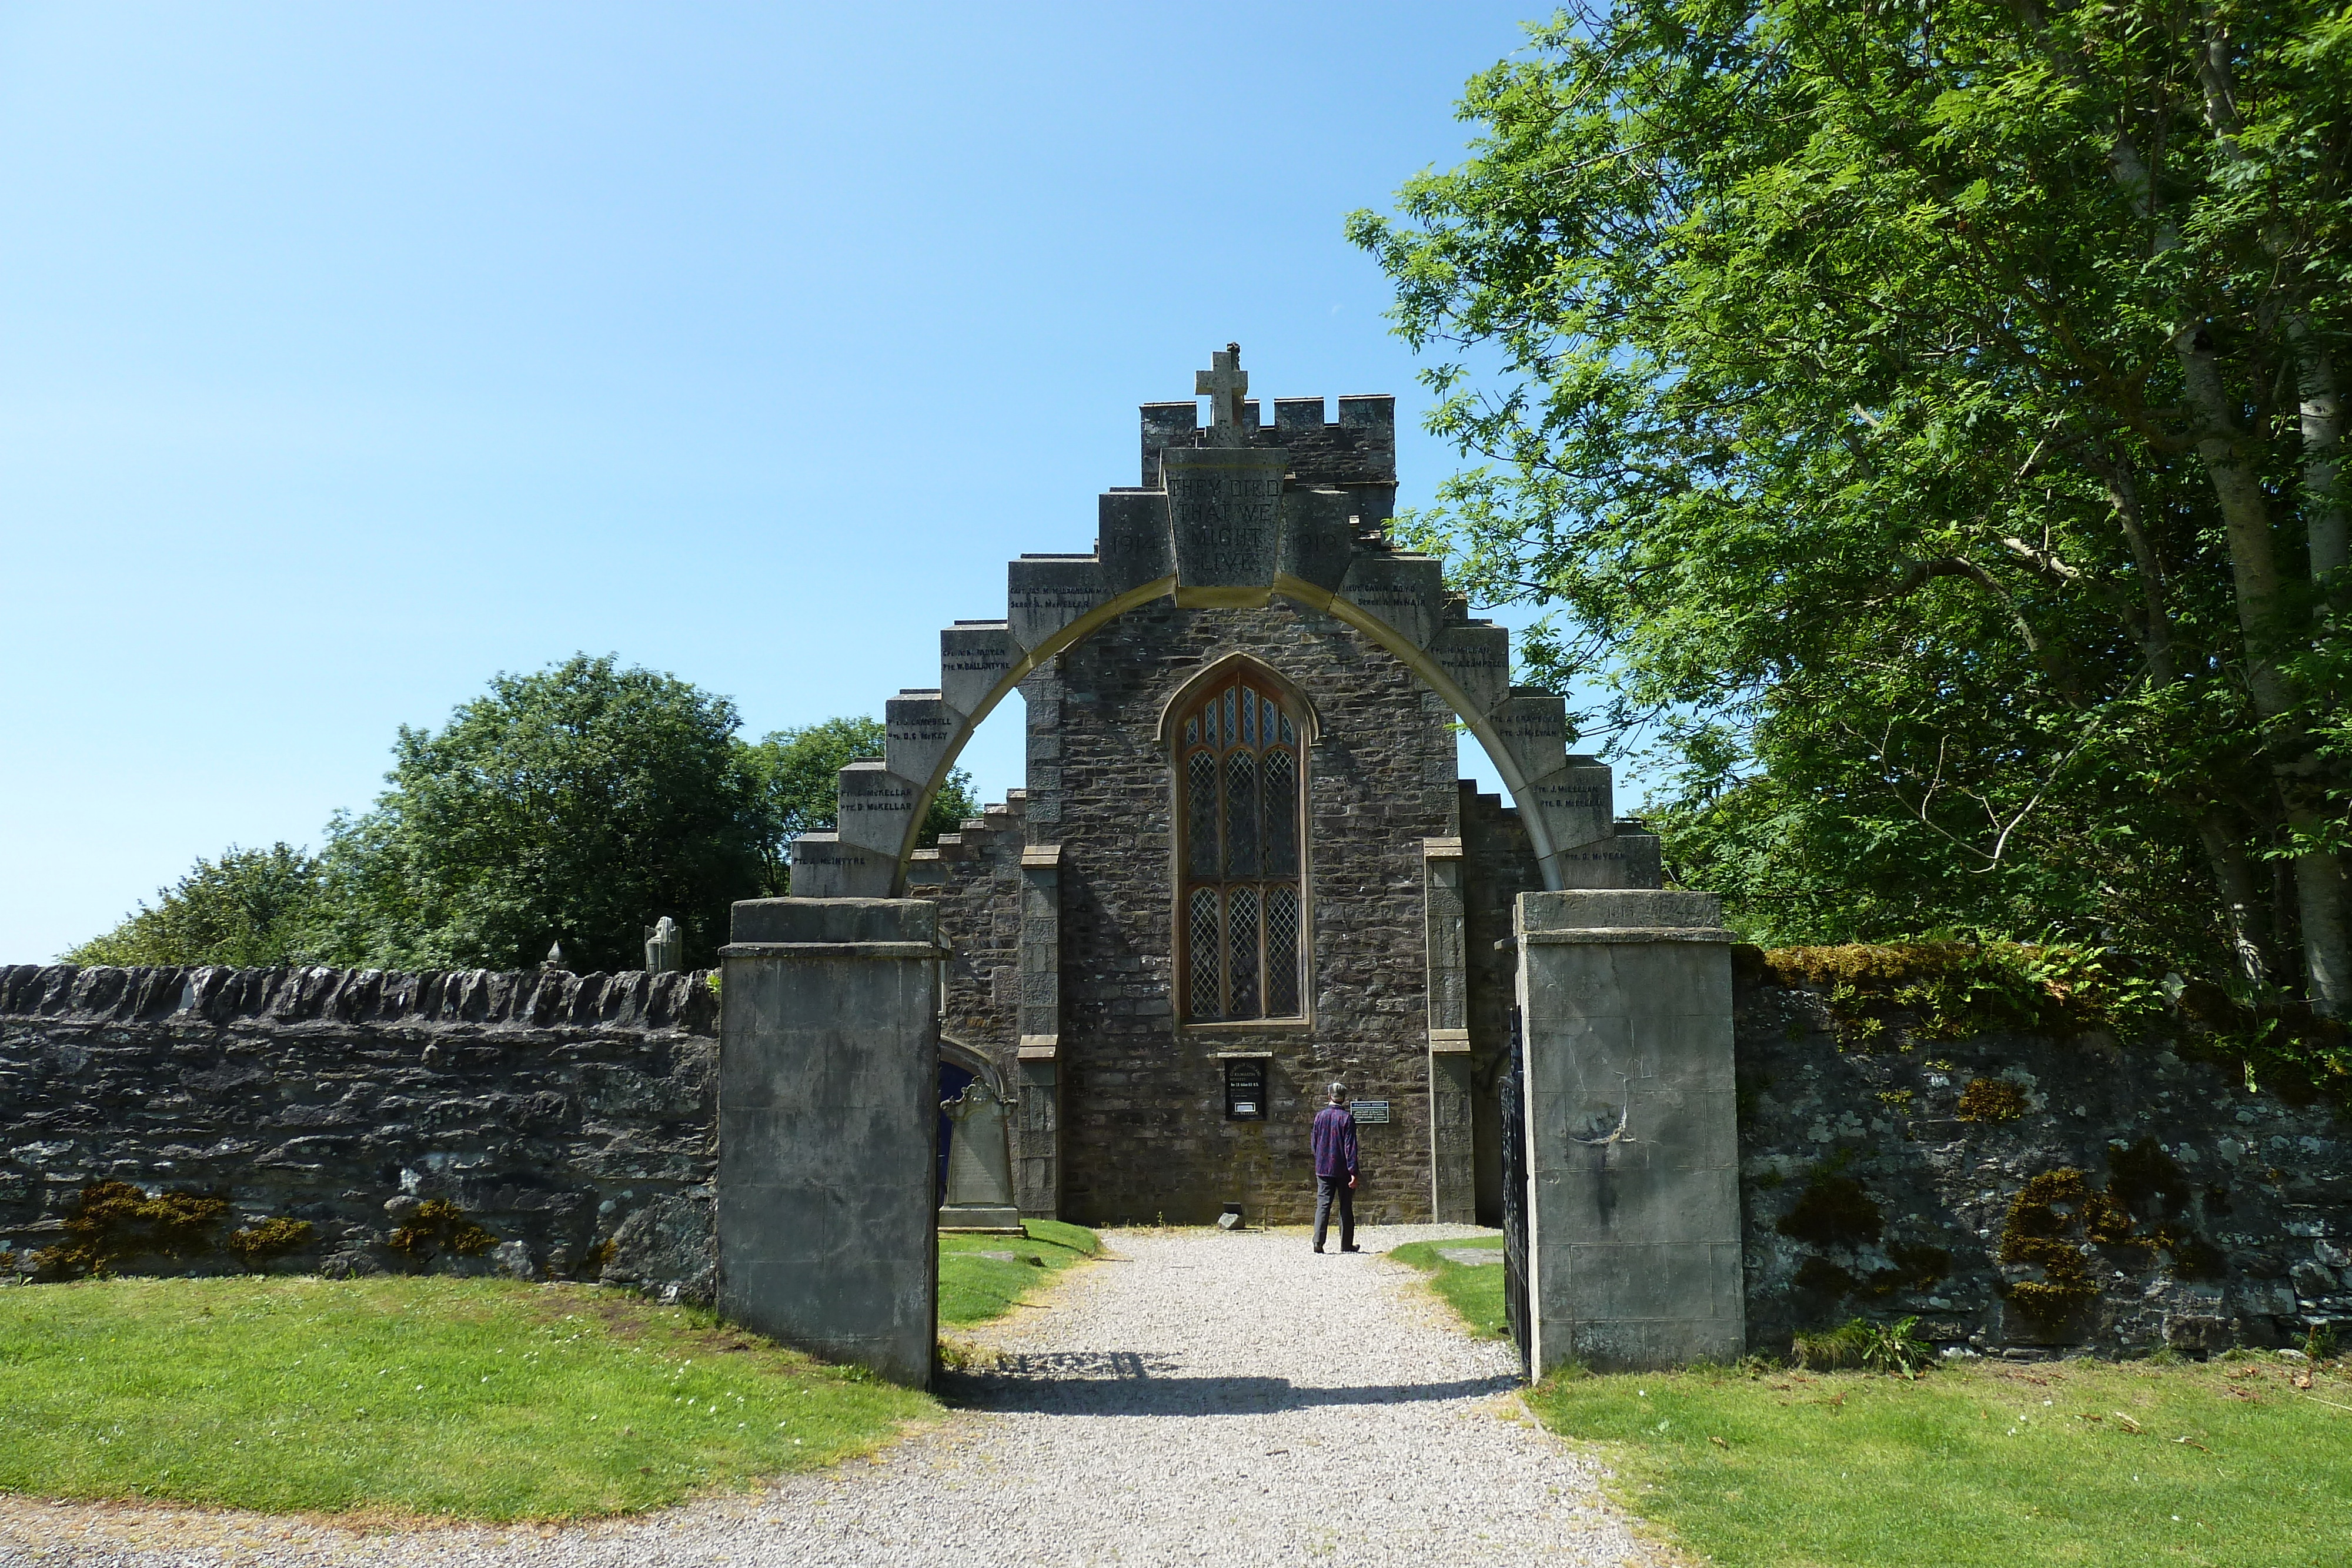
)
(570, 1117)
(1885, 1175)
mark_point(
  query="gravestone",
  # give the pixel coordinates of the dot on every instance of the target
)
(665, 947)
(979, 1164)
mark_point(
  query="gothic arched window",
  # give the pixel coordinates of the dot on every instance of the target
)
(1240, 786)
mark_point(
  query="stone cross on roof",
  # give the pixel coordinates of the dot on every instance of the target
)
(1224, 387)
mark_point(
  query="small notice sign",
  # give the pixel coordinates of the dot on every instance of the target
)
(1370, 1111)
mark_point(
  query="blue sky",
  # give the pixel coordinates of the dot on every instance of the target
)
(351, 354)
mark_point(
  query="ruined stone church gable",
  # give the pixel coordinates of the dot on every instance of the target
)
(1146, 1131)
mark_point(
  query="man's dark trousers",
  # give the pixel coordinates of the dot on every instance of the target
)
(1326, 1189)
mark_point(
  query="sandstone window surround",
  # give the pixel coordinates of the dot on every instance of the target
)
(1241, 787)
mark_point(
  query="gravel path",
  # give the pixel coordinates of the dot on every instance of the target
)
(1198, 1397)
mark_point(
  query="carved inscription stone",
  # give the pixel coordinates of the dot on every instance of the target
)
(1225, 508)
(974, 658)
(1131, 540)
(824, 867)
(1407, 592)
(919, 727)
(1477, 658)
(1533, 727)
(1046, 592)
(876, 805)
(1575, 801)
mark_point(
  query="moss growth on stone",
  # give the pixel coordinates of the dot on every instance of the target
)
(1991, 1100)
(2039, 1216)
(272, 1239)
(113, 1221)
(438, 1226)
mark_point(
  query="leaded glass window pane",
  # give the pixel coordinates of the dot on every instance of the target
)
(1282, 951)
(1201, 827)
(1240, 773)
(1241, 950)
(1241, 814)
(1281, 777)
(1207, 995)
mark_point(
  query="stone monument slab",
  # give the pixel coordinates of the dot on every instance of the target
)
(1225, 510)
(876, 808)
(979, 1164)
(1319, 536)
(1477, 658)
(1532, 724)
(824, 867)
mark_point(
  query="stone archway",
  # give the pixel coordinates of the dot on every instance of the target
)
(1218, 523)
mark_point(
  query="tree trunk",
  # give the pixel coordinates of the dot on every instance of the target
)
(2243, 906)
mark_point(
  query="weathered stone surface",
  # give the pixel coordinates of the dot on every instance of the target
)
(2257, 1191)
(670, 1247)
(974, 657)
(1633, 1226)
(1045, 593)
(828, 1110)
(550, 1108)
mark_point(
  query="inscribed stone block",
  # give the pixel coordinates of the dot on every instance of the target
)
(1406, 592)
(1318, 535)
(1225, 509)
(974, 658)
(1478, 659)
(920, 729)
(1131, 538)
(878, 806)
(1533, 727)
(1046, 592)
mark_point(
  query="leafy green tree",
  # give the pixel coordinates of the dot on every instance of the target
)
(573, 805)
(248, 909)
(799, 792)
(1929, 413)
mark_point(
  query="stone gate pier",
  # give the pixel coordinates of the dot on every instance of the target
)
(1633, 1133)
(828, 1117)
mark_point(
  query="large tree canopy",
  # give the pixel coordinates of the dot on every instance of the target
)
(1927, 412)
(574, 805)
(577, 805)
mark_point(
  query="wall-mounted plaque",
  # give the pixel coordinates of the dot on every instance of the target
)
(1244, 1090)
(1370, 1111)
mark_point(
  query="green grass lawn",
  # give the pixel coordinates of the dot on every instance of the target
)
(1473, 1291)
(1977, 1465)
(481, 1398)
(1982, 1464)
(974, 1287)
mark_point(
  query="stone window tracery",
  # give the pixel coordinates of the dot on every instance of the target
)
(1239, 782)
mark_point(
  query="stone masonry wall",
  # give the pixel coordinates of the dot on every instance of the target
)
(1145, 1135)
(571, 1116)
(1881, 1179)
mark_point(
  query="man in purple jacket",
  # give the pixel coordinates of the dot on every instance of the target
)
(1334, 1140)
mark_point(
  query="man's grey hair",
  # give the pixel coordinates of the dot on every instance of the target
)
(1339, 1093)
